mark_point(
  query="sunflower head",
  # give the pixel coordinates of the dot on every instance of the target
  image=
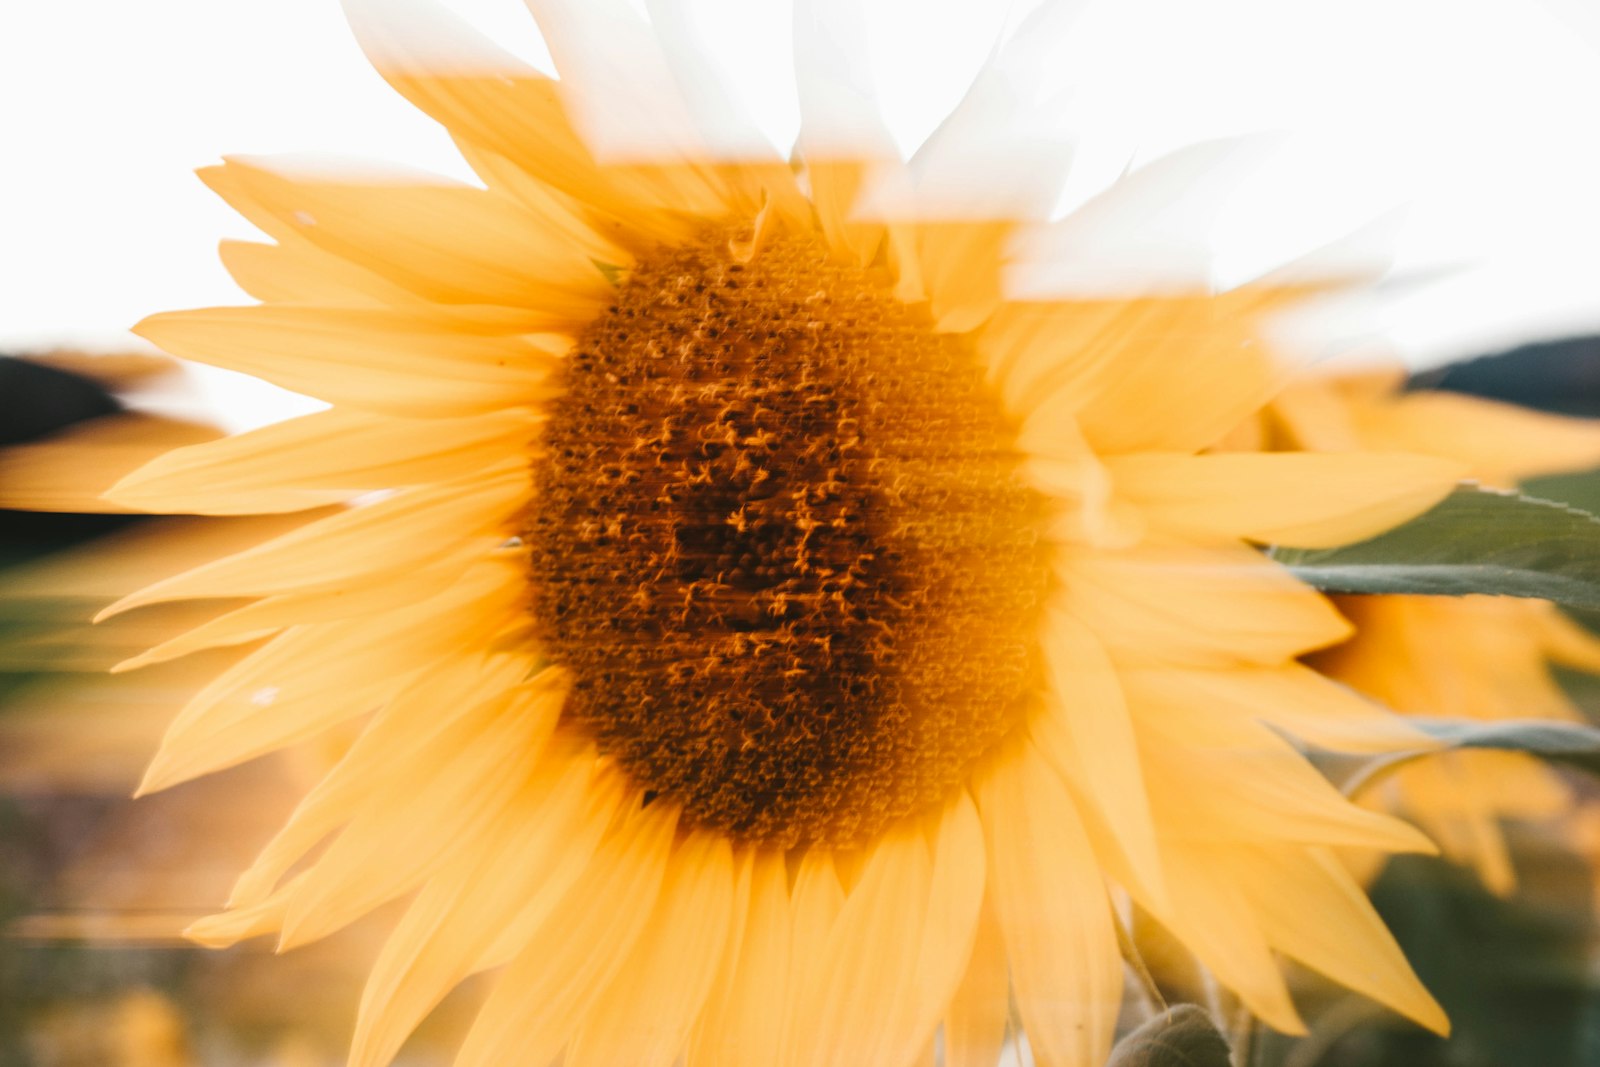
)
(781, 541)
(767, 632)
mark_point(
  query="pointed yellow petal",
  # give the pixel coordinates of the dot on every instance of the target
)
(392, 750)
(1195, 606)
(908, 913)
(961, 265)
(1311, 909)
(1042, 351)
(1215, 921)
(555, 209)
(1214, 777)
(266, 617)
(815, 904)
(509, 879)
(239, 924)
(644, 1015)
(374, 359)
(407, 532)
(835, 185)
(297, 272)
(314, 676)
(71, 470)
(451, 244)
(975, 1024)
(485, 96)
(1089, 704)
(1502, 444)
(742, 1021)
(533, 1010)
(389, 849)
(950, 928)
(1066, 967)
(869, 950)
(319, 459)
(1162, 373)
(302, 683)
(1310, 500)
(1294, 698)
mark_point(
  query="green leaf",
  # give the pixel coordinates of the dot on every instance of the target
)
(1560, 742)
(1513, 974)
(1474, 541)
(1179, 1037)
(1576, 490)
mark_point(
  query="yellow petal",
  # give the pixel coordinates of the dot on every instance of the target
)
(71, 470)
(961, 270)
(315, 676)
(297, 272)
(531, 1013)
(510, 876)
(835, 186)
(389, 849)
(1215, 777)
(1066, 967)
(319, 459)
(1311, 909)
(644, 1015)
(1292, 697)
(394, 747)
(1195, 606)
(484, 95)
(742, 1021)
(373, 359)
(405, 532)
(908, 913)
(1089, 704)
(1310, 500)
(1502, 444)
(950, 928)
(555, 209)
(870, 949)
(248, 712)
(451, 244)
(975, 1023)
(240, 924)
(1215, 921)
(266, 617)
(1163, 373)
(815, 905)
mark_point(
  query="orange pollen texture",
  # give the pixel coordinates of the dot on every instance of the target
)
(780, 539)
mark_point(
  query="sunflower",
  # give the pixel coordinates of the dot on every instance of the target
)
(774, 642)
(1472, 657)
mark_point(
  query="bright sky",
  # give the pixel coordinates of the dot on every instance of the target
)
(1476, 116)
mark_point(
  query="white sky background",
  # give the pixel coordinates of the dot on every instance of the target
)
(1476, 116)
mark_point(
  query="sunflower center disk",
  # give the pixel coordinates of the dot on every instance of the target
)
(780, 540)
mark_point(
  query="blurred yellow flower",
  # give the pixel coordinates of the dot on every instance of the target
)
(140, 1028)
(774, 634)
(1474, 657)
